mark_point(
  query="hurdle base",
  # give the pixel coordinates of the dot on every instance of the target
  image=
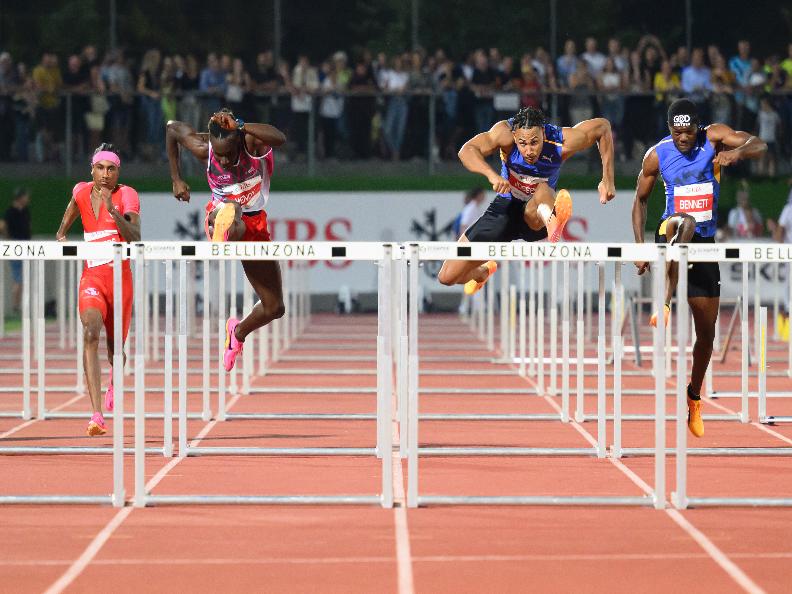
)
(157, 500)
(506, 451)
(67, 450)
(638, 452)
(56, 500)
(538, 500)
(739, 502)
(232, 451)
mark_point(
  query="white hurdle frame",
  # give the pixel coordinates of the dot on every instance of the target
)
(708, 253)
(222, 252)
(41, 252)
(520, 252)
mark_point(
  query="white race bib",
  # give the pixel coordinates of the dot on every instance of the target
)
(524, 186)
(696, 200)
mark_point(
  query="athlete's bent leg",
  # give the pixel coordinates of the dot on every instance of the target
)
(680, 228)
(230, 226)
(459, 272)
(265, 278)
(548, 209)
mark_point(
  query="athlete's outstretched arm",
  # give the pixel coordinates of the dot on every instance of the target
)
(586, 134)
(179, 133)
(475, 151)
(646, 182)
(741, 144)
(71, 214)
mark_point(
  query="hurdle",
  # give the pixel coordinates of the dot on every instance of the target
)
(41, 252)
(685, 253)
(183, 252)
(522, 252)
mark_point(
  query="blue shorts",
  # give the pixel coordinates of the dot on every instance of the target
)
(16, 271)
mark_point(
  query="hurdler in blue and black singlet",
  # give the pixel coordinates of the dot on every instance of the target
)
(503, 219)
(692, 186)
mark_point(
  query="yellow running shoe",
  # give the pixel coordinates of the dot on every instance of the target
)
(473, 286)
(224, 219)
(695, 422)
(562, 212)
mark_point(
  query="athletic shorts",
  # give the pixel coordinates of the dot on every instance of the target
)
(96, 291)
(504, 221)
(703, 277)
(255, 224)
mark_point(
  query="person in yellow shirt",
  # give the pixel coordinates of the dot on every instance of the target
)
(48, 82)
(666, 85)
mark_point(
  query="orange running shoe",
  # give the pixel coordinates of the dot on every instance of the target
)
(224, 219)
(562, 212)
(695, 422)
(666, 315)
(473, 286)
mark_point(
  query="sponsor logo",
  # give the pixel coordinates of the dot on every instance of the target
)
(91, 292)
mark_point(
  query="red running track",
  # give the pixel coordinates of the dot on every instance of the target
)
(368, 549)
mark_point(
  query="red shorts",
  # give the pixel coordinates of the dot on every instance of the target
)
(96, 291)
(255, 224)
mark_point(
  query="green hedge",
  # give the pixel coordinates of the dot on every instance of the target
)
(50, 195)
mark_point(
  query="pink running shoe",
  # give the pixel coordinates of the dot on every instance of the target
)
(108, 401)
(233, 347)
(96, 426)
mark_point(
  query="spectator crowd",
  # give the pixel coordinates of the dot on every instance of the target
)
(378, 106)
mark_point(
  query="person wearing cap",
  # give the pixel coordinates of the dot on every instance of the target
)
(17, 219)
(689, 160)
(109, 212)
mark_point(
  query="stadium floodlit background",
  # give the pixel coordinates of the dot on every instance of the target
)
(384, 97)
(375, 98)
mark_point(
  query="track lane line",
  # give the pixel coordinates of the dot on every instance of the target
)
(93, 548)
(716, 554)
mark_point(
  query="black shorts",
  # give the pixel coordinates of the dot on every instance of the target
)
(703, 277)
(504, 221)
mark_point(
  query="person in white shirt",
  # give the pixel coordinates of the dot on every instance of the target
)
(744, 220)
(394, 82)
(595, 60)
(475, 206)
(768, 123)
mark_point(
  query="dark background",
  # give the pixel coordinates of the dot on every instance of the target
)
(318, 28)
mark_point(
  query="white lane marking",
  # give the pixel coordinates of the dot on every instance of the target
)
(731, 569)
(31, 421)
(104, 535)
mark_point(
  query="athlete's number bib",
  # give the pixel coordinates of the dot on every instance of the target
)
(524, 186)
(246, 193)
(695, 200)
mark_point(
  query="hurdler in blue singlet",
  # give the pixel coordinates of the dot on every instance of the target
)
(692, 181)
(524, 177)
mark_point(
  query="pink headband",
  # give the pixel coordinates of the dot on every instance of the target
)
(106, 156)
